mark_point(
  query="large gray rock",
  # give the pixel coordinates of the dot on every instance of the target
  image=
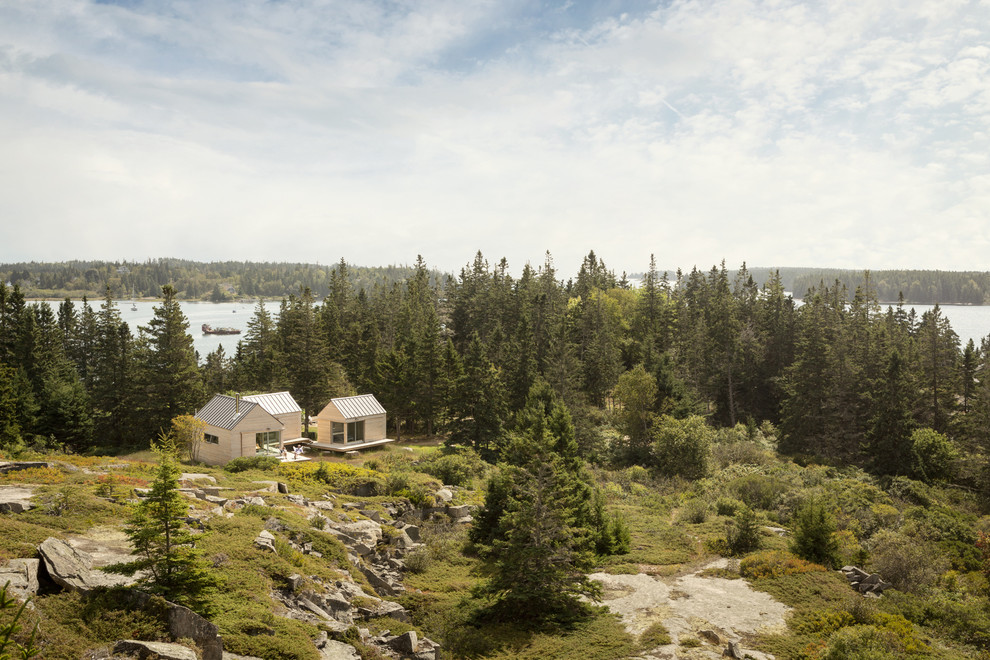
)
(443, 496)
(154, 650)
(15, 499)
(405, 643)
(333, 650)
(21, 575)
(265, 540)
(364, 531)
(73, 569)
(196, 476)
(183, 623)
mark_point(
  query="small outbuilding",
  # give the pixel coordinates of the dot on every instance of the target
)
(246, 426)
(351, 422)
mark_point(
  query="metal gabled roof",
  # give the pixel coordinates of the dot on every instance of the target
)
(220, 411)
(362, 405)
(275, 403)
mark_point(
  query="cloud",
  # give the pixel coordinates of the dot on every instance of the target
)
(776, 132)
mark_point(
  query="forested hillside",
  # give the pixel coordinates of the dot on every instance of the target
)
(845, 382)
(625, 429)
(192, 280)
(219, 281)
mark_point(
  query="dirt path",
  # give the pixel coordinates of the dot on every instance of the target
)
(689, 604)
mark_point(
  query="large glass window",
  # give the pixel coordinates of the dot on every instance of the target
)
(337, 433)
(267, 438)
(212, 439)
(355, 431)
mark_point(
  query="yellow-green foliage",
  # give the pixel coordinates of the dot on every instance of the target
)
(774, 564)
(655, 635)
(337, 476)
(41, 475)
(70, 624)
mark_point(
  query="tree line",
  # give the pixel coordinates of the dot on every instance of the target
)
(640, 369)
(191, 280)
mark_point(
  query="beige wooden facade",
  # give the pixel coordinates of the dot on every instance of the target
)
(235, 428)
(373, 423)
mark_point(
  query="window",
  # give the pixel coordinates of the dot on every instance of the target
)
(355, 431)
(212, 439)
(337, 433)
(266, 438)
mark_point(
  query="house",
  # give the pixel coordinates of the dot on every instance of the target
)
(246, 426)
(351, 422)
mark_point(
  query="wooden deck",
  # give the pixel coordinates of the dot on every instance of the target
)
(353, 446)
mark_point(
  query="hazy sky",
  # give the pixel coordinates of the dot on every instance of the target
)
(846, 133)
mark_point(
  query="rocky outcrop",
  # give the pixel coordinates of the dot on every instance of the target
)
(183, 623)
(21, 577)
(153, 650)
(865, 583)
(14, 466)
(73, 569)
(15, 499)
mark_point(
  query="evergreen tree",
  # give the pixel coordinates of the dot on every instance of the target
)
(536, 531)
(166, 549)
(259, 365)
(168, 374)
(479, 406)
(890, 429)
(111, 371)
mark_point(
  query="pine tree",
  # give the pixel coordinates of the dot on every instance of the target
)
(166, 550)
(169, 380)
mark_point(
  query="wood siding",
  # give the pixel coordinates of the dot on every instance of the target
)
(374, 425)
(239, 441)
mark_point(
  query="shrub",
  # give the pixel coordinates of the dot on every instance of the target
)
(638, 474)
(457, 468)
(694, 511)
(906, 562)
(814, 535)
(655, 635)
(932, 456)
(758, 491)
(680, 447)
(861, 643)
(774, 564)
(728, 506)
(10, 627)
(244, 463)
(744, 534)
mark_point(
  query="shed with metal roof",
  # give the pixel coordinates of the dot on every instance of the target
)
(282, 407)
(351, 422)
(236, 427)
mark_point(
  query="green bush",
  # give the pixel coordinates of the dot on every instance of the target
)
(655, 635)
(744, 534)
(814, 535)
(932, 456)
(455, 469)
(908, 563)
(243, 463)
(758, 491)
(728, 506)
(681, 447)
(694, 511)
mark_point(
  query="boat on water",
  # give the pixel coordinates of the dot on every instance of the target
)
(210, 330)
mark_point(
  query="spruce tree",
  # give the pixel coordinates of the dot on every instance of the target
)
(169, 379)
(168, 561)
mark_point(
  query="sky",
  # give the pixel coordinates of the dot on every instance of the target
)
(844, 133)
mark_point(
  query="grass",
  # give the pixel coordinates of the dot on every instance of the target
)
(655, 635)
